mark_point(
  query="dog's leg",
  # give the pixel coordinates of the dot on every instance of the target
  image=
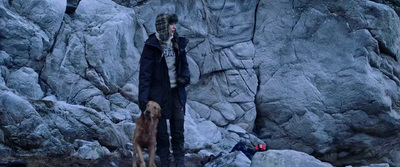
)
(140, 155)
(152, 153)
(134, 155)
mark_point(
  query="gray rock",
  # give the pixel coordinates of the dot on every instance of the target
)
(229, 23)
(117, 117)
(128, 128)
(209, 131)
(394, 156)
(47, 14)
(89, 150)
(375, 165)
(118, 100)
(380, 165)
(130, 92)
(226, 143)
(281, 158)
(5, 151)
(2, 83)
(24, 127)
(78, 122)
(1, 136)
(254, 140)
(25, 82)
(384, 20)
(117, 33)
(3, 74)
(97, 80)
(29, 30)
(133, 110)
(5, 59)
(118, 114)
(324, 76)
(313, 76)
(99, 103)
(85, 64)
(235, 129)
(202, 110)
(236, 158)
(193, 139)
(234, 136)
(85, 94)
(210, 93)
(128, 3)
(15, 109)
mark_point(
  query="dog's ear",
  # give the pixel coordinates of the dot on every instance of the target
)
(159, 112)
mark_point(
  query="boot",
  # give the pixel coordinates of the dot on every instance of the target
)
(179, 162)
(165, 162)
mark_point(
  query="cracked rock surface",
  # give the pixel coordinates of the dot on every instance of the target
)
(312, 76)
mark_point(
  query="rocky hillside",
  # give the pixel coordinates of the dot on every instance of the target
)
(317, 77)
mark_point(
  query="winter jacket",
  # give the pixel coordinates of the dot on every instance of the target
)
(154, 81)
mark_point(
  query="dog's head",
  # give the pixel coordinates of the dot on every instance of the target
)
(153, 110)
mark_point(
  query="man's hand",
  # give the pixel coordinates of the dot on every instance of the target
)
(183, 81)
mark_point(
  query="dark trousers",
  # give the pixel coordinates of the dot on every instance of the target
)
(176, 128)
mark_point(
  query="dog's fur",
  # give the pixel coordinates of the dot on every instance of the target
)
(146, 134)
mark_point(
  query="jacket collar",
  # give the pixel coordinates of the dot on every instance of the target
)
(153, 41)
(168, 41)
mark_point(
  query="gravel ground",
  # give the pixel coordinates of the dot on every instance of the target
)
(71, 161)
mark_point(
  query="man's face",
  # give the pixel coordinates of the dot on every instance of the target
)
(172, 29)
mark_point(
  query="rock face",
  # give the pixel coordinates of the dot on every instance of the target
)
(329, 78)
(29, 30)
(232, 159)
(312, 76)
(286, 158)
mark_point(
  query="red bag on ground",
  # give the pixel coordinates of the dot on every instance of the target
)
(261, 147)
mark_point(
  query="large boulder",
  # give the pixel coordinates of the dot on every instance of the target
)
(281, 158)
(236, 158)
(25, 82)
(73, 122)
(97, 59)
(320, 77)
(24, 129)
(328, 78)
(28, 30)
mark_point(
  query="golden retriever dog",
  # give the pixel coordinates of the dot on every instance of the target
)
(146, 134)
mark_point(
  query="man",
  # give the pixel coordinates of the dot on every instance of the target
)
(164, 74)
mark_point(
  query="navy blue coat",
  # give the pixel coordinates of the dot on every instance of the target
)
(154, 81)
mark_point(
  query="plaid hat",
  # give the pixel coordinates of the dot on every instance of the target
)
(162, 24)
